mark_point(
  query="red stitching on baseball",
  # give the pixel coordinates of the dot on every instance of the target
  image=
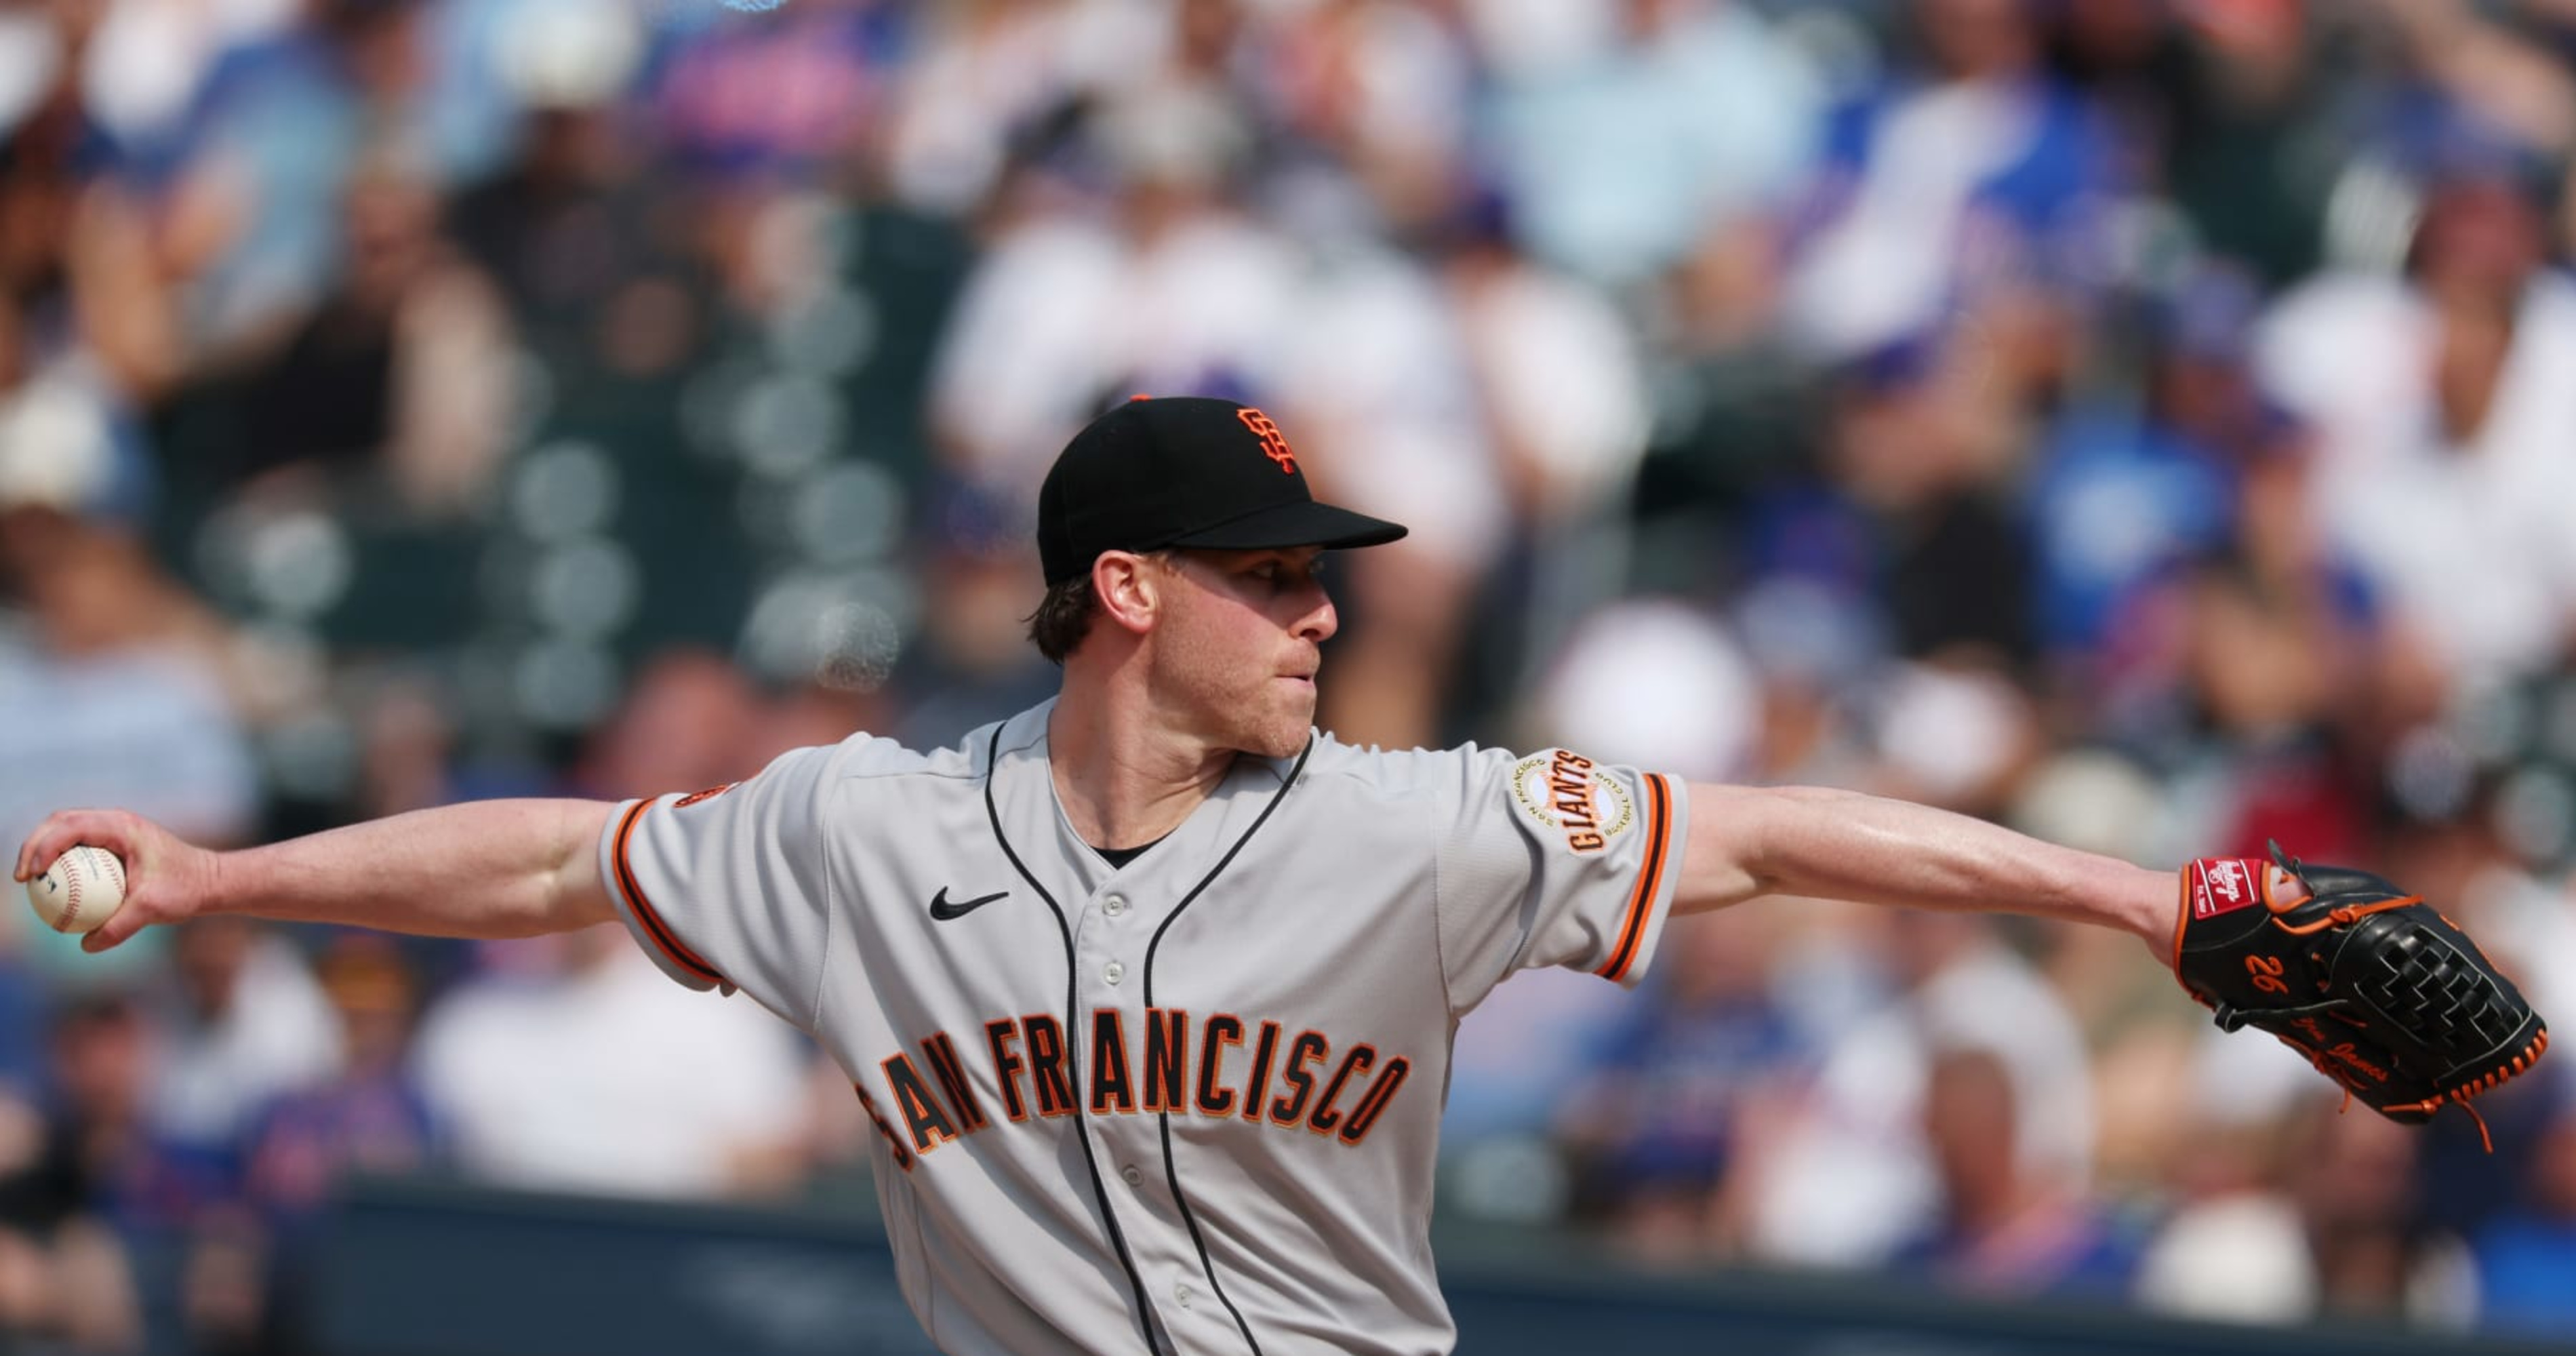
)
(71, 868)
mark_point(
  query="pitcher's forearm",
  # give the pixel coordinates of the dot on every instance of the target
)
(1868, 849)
(504, 868)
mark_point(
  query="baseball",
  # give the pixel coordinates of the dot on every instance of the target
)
(80, 890)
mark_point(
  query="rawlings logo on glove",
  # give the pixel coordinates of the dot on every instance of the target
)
(2373, 986)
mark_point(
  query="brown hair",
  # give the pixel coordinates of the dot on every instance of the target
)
(1064, 615)
(1063, 618)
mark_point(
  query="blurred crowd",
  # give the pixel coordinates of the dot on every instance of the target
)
(2148, 423)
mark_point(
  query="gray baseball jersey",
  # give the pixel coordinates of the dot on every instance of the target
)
(1187, 1105)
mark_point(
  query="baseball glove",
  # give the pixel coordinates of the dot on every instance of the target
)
(2372, 985)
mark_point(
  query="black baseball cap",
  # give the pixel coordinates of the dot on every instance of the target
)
(1184, 471)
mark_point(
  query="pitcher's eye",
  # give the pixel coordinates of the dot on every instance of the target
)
(1277, 574)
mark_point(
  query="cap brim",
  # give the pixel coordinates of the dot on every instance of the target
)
(1299, 524)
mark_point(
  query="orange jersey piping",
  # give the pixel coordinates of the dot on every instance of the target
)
(1650, 876)
(660, 931)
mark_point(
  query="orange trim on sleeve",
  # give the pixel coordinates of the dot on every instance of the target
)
(1650, 877)
(660, 931)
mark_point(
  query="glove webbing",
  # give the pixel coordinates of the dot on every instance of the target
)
(2428, 981)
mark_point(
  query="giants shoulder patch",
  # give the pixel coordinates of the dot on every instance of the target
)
(1565, 792)
(695, 796)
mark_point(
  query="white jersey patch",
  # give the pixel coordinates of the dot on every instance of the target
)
(1565, 792)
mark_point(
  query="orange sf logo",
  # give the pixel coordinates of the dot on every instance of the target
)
(2266, 973)
(1274, 444)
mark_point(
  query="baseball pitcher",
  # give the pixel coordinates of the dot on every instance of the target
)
(1149, 991)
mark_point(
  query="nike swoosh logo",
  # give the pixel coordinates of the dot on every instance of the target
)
(942, 910)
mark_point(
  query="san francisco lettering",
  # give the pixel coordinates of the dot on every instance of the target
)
(1164, 1063)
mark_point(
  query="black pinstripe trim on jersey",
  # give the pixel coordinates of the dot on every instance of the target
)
(1171, 1170)
(1072, 1046)
(661, 933)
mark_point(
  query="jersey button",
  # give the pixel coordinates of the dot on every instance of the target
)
(1134, 1178)
(1184, 1294)
(1114, 905)
(1113, 972)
